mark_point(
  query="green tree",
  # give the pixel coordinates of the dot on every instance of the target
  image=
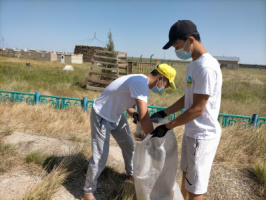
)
(110, 45)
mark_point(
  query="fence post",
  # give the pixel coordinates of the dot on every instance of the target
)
(37, 97)
(58, 104)
(254, 120)
(12, 97)
(63, 105)
(129, 67)
(84, 103)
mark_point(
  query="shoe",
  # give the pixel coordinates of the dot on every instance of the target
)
(86, 197)
(130, 178)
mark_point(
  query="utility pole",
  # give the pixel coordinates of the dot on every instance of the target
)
(151, 57)
(2, 42)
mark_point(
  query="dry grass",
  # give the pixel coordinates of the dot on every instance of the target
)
(49, 184)
(128, 191)
(44, 120)
(241, 146)
(244, 148)
(244, 93)
(8, 157)
(51, 172)
(113, 184)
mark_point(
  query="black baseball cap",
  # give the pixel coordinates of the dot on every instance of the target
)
(180, 30)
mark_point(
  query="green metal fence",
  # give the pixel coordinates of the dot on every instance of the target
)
(63, 103)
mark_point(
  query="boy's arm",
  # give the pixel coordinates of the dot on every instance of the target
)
(196, 110)
(144, 119)
(131, 111)
(177, 106)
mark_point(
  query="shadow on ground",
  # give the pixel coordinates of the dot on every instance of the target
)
(111, 183)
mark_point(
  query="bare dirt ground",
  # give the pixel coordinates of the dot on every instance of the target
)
(14, 183)
(226, 182)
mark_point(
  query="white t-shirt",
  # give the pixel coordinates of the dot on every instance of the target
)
(121, 95)
(204, 76)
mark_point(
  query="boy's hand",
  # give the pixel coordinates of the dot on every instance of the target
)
(135, 117)
(160, 131)
(160, 114)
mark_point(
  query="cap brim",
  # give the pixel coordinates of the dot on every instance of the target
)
(169, 44)
(172, 85)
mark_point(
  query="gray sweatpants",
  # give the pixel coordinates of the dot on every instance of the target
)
(100, 137)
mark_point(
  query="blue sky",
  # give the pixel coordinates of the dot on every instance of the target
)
(227, 27)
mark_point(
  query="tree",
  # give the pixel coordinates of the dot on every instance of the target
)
(110, 45)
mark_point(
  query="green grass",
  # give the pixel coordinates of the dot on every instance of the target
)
(7, 149)
(7, 157)
(36, 157)
(76, 138)
(260, 171)
(41, 76)
(147, 60)
(243, 92)
(7, 130)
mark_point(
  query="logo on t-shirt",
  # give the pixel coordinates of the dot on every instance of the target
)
(189, 81)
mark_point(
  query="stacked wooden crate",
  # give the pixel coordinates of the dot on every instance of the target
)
(106, 66)
(87, 51)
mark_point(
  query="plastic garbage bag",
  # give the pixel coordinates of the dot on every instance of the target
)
(139, 134)
(155, 167)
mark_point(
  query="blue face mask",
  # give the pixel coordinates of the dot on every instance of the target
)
(157, 90)
(180, 53)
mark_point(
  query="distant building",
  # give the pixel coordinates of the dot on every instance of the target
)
(43, 55)
(11, 52)
(70, 58)
(252, 66)
(228, 62)
(40, 55)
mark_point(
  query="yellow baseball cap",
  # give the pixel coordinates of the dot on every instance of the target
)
(168, 72)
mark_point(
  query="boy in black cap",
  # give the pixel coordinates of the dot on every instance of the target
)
(202, 99)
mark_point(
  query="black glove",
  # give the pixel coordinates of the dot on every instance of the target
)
(135, 117)
(160, 131)
(160, 114)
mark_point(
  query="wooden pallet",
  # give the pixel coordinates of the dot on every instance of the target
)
(105, 69)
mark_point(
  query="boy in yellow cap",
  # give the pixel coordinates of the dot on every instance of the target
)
(107, 117)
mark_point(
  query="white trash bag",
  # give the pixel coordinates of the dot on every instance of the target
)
(155, 168)
(139, 134)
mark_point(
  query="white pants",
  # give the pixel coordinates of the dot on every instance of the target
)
(100, 137)
(196, 160)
